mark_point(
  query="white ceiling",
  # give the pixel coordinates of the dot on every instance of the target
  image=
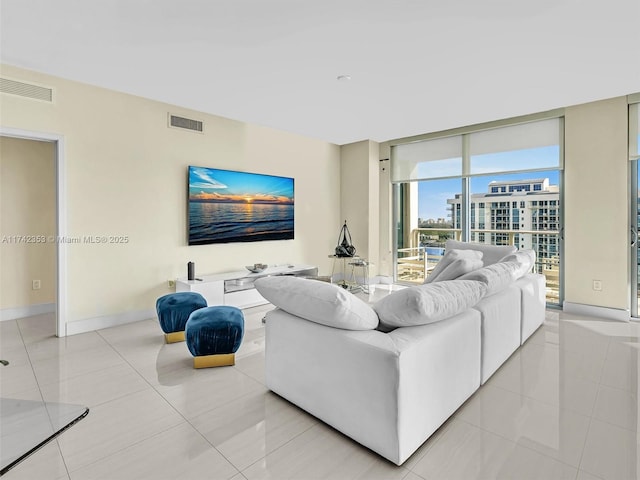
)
(416, 65)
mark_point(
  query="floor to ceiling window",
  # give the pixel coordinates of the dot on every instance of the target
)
(499, 186)
(423, 219)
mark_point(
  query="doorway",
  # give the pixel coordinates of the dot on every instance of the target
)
(59, 220)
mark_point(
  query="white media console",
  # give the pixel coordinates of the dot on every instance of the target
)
(236, 288)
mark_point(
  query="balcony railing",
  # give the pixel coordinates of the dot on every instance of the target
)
(415, 262)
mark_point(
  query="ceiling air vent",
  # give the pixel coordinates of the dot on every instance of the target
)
(186, 123)
(27, 90)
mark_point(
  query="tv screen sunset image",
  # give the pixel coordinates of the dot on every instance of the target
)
(229, 206)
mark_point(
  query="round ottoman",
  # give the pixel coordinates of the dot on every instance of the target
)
(213, 335)
(173, 312)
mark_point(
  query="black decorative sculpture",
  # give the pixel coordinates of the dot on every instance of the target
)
(345, 246)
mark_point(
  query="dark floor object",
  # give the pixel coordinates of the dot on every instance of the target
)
(27, 425)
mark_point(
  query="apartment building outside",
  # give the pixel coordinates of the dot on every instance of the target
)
(529, 205)
(512, 213)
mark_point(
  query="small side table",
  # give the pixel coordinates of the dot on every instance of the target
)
(344, 283)
(357, 263)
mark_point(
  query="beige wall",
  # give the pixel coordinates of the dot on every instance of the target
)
(386, 214)
(596, 203)
(360, 199)
(126, 174)
(27, 219)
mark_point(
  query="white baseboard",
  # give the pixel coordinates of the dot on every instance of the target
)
(377, 279)
(106, 321)
(28, 311)
(595, 311)
(382, 279)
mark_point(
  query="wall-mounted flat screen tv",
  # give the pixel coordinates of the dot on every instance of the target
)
(228, 206)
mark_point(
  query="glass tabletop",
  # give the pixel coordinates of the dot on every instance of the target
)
(27, 425)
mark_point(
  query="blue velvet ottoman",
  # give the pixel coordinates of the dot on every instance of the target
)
(173, 312)
(213, 335)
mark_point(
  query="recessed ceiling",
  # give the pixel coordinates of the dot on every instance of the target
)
(416, 66)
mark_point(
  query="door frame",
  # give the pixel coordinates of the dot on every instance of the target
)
(61, 217)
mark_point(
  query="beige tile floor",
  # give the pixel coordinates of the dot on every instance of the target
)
(564, 406)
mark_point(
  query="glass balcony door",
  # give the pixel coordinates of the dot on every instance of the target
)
(522, 209)
(428, 215)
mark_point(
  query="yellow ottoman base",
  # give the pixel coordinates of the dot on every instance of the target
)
(222, 360)
(174, 337)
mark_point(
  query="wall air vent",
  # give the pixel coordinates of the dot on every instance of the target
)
(27, 90)
(186, 123)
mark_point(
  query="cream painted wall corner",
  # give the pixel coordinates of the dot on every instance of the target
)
(360, 200)
(596, 205)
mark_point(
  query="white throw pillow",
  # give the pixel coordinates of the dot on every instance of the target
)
(496, 277)
(319, 302)
(458, 267)
(490, 253)
(525, 259)
(449, 258)
(428, 303)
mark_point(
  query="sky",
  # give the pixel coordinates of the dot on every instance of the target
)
(433, 194)
(209, 184)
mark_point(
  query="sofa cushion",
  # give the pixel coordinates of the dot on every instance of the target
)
(455, 269)
(496, 277)
(525, 259)
(428, 303)
(490, 253)
(319, 302)
(455, 263)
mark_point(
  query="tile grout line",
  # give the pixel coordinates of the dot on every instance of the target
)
(133, 393)
(600, 384)
(117, 452)
(81, 351)
(586, 438)
(441, 431)
(64, 461)
(549, 404)
(517, 444)
(185, 419)
(606, 357)
(266, 453)
(286, 443)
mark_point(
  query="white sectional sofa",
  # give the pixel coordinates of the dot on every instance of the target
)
(328, 353)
